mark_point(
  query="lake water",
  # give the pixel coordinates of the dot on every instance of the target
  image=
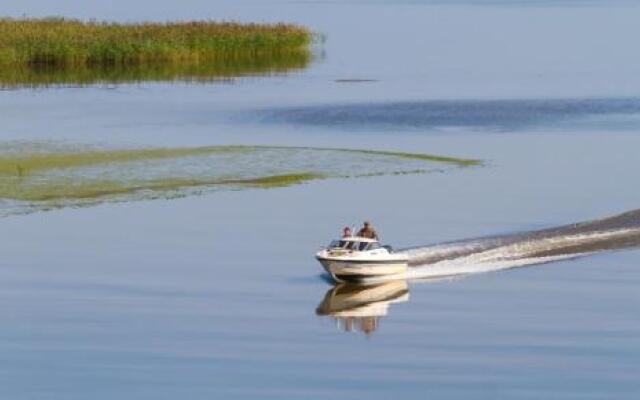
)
(218, 295)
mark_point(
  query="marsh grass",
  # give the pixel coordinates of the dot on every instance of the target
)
(37, 177)
(63, 51)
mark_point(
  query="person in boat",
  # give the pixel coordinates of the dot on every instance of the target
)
(346, 232)
(367, 231)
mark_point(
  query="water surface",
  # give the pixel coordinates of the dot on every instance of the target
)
(218, 295)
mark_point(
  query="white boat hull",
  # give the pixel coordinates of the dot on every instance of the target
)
(357, 270)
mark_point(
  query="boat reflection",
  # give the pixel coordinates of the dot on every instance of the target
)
(360, 307)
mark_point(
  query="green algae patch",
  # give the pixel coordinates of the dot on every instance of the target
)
(98, 189)
(50, 51)
(276, 181)
(37, 176)
(33, 162)
(463, 162)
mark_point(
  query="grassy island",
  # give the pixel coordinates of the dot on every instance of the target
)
(51, 50)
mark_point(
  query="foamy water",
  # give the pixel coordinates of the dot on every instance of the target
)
(523, 248)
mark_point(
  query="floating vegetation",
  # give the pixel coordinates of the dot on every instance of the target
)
(38, 176)
(55, 51)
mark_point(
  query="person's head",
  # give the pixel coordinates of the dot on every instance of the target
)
(367, 224)
(346, 230)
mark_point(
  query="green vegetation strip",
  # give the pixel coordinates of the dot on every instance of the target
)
(462, 162)
(28, 163)
(98, 189)
(41, 51)
(68, 42)
(59, 177)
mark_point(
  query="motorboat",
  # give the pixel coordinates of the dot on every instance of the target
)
(355, 259)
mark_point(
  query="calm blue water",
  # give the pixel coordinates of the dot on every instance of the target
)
(216, 296)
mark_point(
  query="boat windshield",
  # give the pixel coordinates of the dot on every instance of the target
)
(344, 244)
(364, 246)
(353, 245)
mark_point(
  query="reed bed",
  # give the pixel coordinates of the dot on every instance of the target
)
(50, 50)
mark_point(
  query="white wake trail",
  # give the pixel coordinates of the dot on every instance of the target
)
(521, 249)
